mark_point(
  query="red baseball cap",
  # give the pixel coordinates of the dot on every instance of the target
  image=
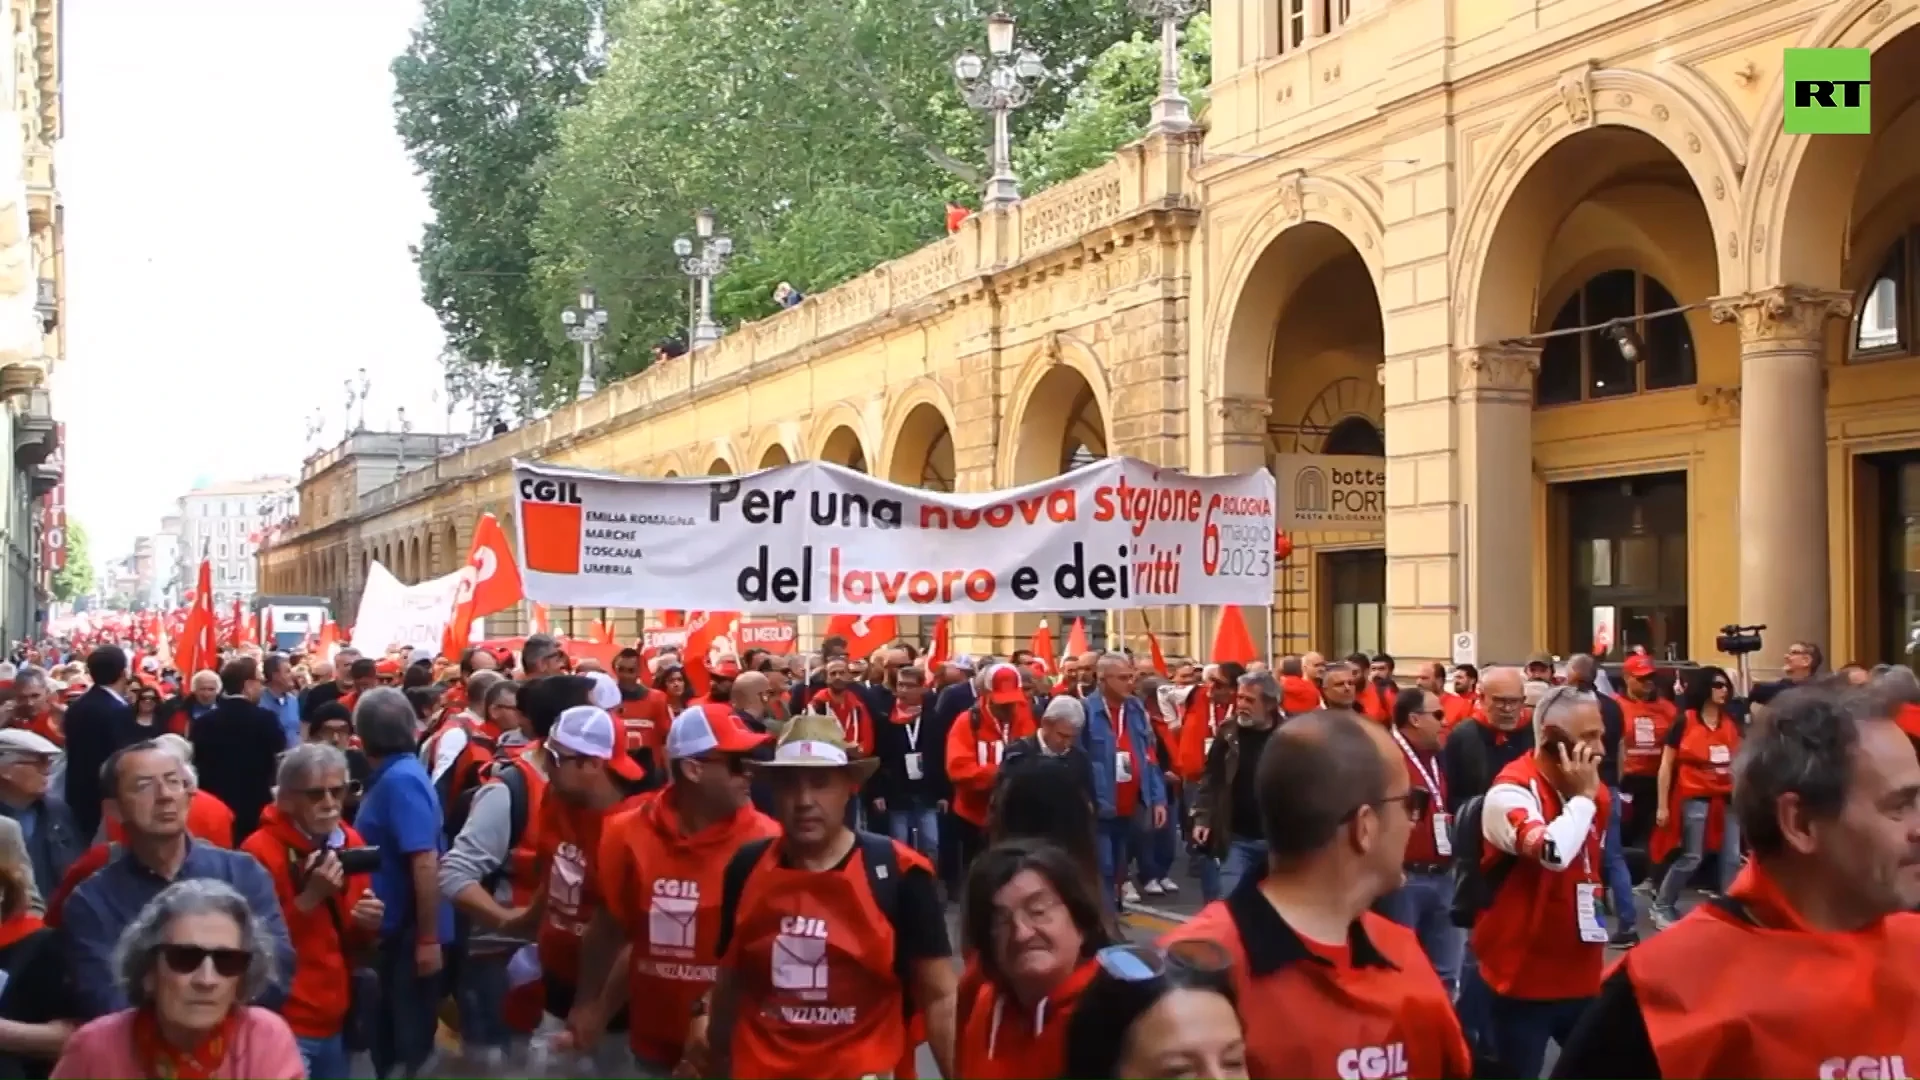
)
(1004, 686)
(387, 667)
(1638, 666)
(726, 669)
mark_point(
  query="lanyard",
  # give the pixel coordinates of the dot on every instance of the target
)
(913, 732)
(1431, 779)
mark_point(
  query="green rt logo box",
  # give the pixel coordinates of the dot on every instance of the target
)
(1828, 91)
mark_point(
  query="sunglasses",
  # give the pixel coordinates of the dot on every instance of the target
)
(1722, 686)
(1145, 963)
(187, 959)
(733, 763)
(1417, 802)
(338, 793)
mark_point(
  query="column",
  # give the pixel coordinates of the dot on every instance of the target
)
(1783, 463)
(1493, 463)
(1237, 431)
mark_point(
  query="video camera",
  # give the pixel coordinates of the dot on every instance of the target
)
(1738, 640)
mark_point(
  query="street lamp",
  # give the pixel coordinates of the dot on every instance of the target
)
(357, 390)
(709, 261)
(1171, 114)
(315, 424)
(999, 83)
(405, 427)
(586, 324)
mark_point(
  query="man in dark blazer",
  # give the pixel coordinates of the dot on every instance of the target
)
(236, 747)
(98, 722)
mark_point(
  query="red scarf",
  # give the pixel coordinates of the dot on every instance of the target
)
(18, 927)
(162, 1060)
(905, 716)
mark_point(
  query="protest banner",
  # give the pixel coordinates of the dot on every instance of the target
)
(815, 538)
(415, 616)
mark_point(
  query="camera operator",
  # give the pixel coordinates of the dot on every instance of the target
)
(1802, 662)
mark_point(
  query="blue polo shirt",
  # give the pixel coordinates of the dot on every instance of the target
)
(400, 814)
(102, 906)
(287, 709)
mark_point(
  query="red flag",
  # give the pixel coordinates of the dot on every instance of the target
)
(1042, 647)
(199, 638)
(941, 650)
(489, 582)
(865, 634)
(1153, 648)
(540, 623)
(1077, 638)
(710, 635)
(266, 631)
(673, 620)
(1231, 641)
(600, 633)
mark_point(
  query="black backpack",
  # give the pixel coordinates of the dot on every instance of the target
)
(882, 861)
(1474, 883)
(508, 773)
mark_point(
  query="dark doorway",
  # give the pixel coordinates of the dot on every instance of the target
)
(1356, 601)
(1625, 562)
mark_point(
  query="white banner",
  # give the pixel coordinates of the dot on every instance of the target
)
(394, 614)
(814, 538)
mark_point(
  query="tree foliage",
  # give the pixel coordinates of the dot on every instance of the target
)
(75, 578)
(478, 97)
(826, 136)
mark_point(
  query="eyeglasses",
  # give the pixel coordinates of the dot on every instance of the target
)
(1038, 909)
(733, 763)
(1505, 702)
(1717, 685)
(187, 959)
(1417, 802)
(1144, 964)
(338, 793)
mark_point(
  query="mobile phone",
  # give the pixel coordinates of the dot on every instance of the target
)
(360, 860)
(1558, 739)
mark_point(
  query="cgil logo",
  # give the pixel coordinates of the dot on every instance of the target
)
(1829, 91)
(1387, 1062)
(1864, 1068)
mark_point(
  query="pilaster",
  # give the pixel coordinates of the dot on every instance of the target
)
(1493, 402)
(1784, 580)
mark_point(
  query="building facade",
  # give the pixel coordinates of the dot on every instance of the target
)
(32, 305)
(1631, 362)
(224, 524)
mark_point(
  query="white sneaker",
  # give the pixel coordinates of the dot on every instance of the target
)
(1129, 894)
(1153, 888)
(1168, 885)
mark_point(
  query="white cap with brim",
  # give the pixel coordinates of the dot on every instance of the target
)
(22, 741)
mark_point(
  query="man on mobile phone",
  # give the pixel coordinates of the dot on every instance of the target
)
(1540, 942)
(331, 914)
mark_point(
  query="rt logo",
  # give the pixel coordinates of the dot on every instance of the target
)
(1829, 91)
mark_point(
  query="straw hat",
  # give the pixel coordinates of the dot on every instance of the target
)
(812, 741)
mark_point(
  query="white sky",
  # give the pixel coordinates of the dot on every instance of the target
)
(239, 211)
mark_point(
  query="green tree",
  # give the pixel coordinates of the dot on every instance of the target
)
(827, 137)
(1111, 106)
(478, 95)
(75, 579)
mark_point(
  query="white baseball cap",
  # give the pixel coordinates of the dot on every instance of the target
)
(606, 692)
(22, 741)
(588, 731)
(695, 732)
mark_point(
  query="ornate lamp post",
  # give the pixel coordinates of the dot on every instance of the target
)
(315, 424)
(585, 324)
(999, 83)
(703, 265)
(357, 389)
(1171, 113)
(405, 427)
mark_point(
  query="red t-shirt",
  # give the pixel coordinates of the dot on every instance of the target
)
(1126, 793)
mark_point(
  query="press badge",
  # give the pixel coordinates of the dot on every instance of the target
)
(1588, 911)
(1718, 754)
(1123, 766)
(913, 766)
(1643, 730)
(1443, 834)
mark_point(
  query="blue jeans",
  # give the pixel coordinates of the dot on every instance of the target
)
(482, 997)
(1117, 840)
(1245, 858)
(1161, 847)
(1614, 864)
(1521, 1029)
(409, 1018)
(1424, 905)
(1693, 836)
(916, 826)
(326, 1059)
(1474, 1004)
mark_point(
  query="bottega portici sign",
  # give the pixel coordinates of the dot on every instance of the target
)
(1331, 492)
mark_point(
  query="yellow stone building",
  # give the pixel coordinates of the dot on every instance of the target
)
(1393, 240)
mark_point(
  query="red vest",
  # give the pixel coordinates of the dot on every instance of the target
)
(1643, 734)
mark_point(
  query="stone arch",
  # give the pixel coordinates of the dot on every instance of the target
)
(721, 459)
(456, 558)
(1797, 228)
(1703, 136)
(415, 565)
(839, 434)
(1057, 389)
(1303, 200)
(771, 449)
(915, 421)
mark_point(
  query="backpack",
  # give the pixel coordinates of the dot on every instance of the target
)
(1474, 883)
(467, 772)
(882, 861)
(506, 772)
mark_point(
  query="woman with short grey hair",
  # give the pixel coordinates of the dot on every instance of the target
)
(189, 963)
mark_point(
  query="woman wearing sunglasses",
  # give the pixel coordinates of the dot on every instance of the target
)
(1034, 920)
(189, 963)
(1693, 816)
(1154, 1013)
